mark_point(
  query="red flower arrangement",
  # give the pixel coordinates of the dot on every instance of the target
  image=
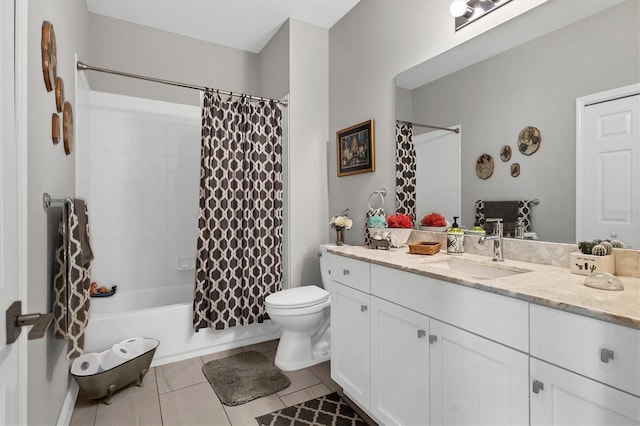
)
(399, 221)
(433, 219)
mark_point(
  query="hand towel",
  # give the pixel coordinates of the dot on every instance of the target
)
(72, 277)
(506, 210)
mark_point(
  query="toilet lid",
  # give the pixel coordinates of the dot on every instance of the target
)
(298, 297)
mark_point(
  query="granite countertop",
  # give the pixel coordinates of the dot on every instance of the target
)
(546, 285)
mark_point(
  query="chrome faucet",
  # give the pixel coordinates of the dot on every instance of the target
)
(497, 239)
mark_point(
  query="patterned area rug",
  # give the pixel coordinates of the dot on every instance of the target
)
(244, 377)
(324, 411)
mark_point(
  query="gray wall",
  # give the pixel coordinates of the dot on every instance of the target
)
(273, 61)
(368, 47)
(137, 49)
(535, 84)
(309, 115)
(49, 170)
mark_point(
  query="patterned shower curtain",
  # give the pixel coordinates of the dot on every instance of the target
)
(239, 257)
(405, 170)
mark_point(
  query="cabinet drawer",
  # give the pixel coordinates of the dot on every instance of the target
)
(500, 318)
(350, 272)
(597, 349)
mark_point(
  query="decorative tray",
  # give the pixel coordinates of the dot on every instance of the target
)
(424, 247)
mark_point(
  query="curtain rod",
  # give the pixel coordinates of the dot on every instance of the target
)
(429, 126)
(81, 66)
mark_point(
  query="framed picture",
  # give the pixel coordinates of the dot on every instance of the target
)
(355, 148)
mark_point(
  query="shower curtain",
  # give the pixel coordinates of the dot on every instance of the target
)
(405, 170)
(239, 251)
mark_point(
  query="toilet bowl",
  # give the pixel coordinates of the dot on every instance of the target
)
(303, 314)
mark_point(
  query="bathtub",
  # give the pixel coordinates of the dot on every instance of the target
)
(164, 314)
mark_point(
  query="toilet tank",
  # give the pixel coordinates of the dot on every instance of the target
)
(324, 265)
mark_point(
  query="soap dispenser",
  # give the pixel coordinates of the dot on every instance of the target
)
(455, 238)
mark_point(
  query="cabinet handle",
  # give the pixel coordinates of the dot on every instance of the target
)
(363, 308)
(433, 338)
(606, 355)
(345, 272)
(537, 386)
(421, 334)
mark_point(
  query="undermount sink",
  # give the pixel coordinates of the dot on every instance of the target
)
(476, 270)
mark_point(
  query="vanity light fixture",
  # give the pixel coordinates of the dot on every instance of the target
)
(467, 11)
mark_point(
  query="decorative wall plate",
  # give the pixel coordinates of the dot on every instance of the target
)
(484, 166)
(515, 169)
(505, 153)
(55, 128)
(67, 127)
(529, 140)
(59, 94)
(49, 55)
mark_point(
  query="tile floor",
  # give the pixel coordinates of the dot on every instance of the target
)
(179, 394)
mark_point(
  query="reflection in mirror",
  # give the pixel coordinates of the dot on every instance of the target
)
(534, 84)
(438, 173)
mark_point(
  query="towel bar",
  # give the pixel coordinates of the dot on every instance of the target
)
(47, 200)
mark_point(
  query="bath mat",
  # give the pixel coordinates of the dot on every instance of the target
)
(244, 377)
(326, 410)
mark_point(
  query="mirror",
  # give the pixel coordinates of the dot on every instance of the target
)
(535, 83)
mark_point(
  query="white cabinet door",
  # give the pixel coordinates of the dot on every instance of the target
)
(560, 397)
(350, 359)
(475, 381)
(399, 364)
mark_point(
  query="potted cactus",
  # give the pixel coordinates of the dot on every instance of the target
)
(594, 256)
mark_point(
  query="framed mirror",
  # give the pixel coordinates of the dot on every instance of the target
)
(535, 83)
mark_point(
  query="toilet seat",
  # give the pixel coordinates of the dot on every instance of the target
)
(297, 297)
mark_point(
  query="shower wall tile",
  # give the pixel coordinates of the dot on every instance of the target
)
(142, 174)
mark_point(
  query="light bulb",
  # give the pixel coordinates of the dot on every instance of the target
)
(458, 8)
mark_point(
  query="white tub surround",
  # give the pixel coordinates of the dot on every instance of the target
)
(154, 313)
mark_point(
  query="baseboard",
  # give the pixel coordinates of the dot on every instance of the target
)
(69, 403)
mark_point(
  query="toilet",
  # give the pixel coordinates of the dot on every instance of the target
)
(303, 314)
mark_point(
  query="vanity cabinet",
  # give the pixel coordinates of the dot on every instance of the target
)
(561, 397)
(415, 350)
(476, 381)
(399, 364)
(350, 347)
(583, 370)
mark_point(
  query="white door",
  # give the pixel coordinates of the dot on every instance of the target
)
(438, 154)
(475, 381)
(611, 171)
(350, 342)
(560, 397)
(399, 364)
(12, 357)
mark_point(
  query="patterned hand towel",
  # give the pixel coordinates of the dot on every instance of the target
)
(72, 277)
(507, 210)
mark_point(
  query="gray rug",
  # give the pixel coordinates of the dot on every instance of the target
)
(244, 377)
(324, 411)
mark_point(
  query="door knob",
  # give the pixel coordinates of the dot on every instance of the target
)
(15, 320)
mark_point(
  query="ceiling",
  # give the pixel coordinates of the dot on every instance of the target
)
(242, 24)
